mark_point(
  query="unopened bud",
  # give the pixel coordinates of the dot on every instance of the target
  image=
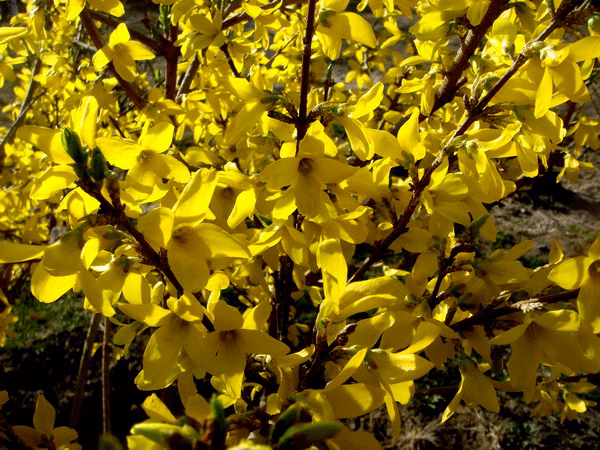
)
(72, 144)
(305, 435)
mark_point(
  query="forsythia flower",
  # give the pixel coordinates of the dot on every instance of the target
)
(583, 272)
(74, 7)
(122, 52)
(43, 422)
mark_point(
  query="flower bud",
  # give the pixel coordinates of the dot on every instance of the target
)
(72, 144)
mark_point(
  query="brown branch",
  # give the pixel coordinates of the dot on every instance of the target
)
(450, 84)
(400, 226)
(106, 357)
(225, 49)
(91, 29)
(115, 212)
(171, 53)
(280, 315)
(190, 73)
(488, 315)
(322, 354)
(303, 123)
(112, 22)
(84, 368)
(27, 103)
(241, 17)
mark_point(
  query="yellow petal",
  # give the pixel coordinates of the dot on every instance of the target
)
(369, 101)
(219, 243)
(244, 121)
(138, 51)
(353, 400)
(43, 418)
(570, 273)
(157, 410)
(280, 173)
(347, 371)
(160, 359)
(409, 137)
(158, 138)
(188, 265)
(53, 181)
(584, 49)
(119, 152)
(113, 7)
(543, 96)
(119, 35)
(47, 140)
(192, 206)
(48, 288)
(157, 226)
(150, 314)
(7, 34)
(559, 320)
(350, 26)
(259, 342)
(11, 252)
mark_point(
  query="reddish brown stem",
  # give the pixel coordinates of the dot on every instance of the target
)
(172, 54)
(91, 29)
(84, 368)
(303, 122)
(400, 226)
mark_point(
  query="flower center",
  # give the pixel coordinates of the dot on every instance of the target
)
(305, 166)
(227, 193)
(594, 270)
(228, 337)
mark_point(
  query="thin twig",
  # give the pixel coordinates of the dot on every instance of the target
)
(27, 103)
(400, 226)
(84, 368)
(303, 123)
(190, 73)
(90, 27)
(172, 54)
(489, 315)
(146, 40)
(106, 357)
(225, 49)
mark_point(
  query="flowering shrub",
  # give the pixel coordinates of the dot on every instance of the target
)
(308, 245)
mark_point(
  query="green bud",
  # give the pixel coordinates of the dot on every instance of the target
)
(286, 419)
(98, 167)
(109, 442)
(329, 71)
(72, 144)
(324, 15)
(307, 434)
(79, 171)
(165, 16)
(478, 223)
(270, 99)
(164, 433)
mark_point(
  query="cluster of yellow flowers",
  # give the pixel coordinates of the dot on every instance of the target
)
(221, 197)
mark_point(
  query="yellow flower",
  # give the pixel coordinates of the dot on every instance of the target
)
(188, 240)
(43, 422)
(583, 272)
(122, 52)
(224, 351)
(179, 329)
(74, 7)
(145, 161)
(333, 25)
(304, 173)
